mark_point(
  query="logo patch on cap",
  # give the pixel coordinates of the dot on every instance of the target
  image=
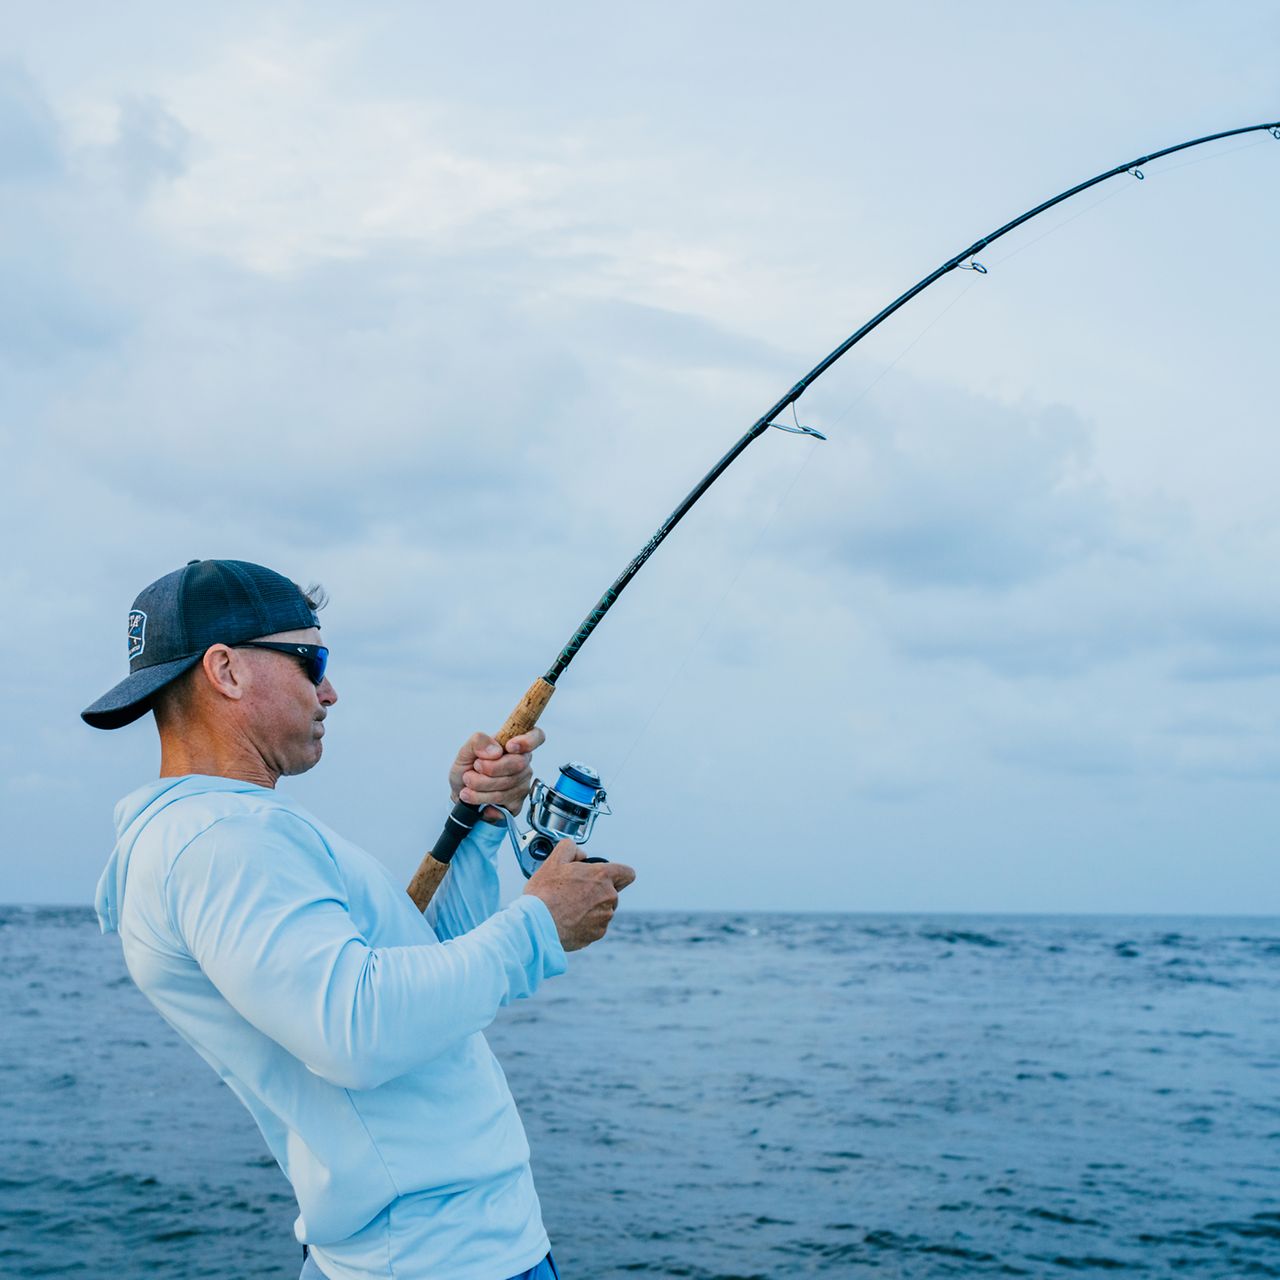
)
(137, 633)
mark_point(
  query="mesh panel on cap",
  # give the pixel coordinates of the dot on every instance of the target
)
(226, 601)
(214, 604)
(275, 595)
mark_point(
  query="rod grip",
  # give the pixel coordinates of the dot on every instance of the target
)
(431, 870)
(426, 880)
(527, 711)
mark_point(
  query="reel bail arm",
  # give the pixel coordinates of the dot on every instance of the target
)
(566, 811)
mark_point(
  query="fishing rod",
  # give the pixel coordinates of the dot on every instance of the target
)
(569, 808)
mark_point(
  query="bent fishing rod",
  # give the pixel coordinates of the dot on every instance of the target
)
(569, 808)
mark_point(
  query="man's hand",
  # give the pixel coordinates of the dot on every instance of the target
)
(581, 896)
(485, 774)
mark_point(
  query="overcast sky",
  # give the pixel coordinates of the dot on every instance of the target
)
(446, 307)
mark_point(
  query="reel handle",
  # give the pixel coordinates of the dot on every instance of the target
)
(431, 870)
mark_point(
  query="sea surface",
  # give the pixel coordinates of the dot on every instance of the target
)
(727, 1096)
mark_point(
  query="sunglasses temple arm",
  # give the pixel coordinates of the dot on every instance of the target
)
(431, 871)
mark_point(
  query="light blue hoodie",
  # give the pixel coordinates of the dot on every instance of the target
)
(302, 973)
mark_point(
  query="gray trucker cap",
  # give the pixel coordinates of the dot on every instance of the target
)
(178, 617)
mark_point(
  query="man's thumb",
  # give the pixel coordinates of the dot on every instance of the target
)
(479, 747)
(566, 851)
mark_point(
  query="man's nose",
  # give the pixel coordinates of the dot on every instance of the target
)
(326, 693)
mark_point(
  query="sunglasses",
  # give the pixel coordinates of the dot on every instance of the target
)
(314, 657)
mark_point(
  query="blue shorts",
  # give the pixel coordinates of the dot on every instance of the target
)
(545, 1270)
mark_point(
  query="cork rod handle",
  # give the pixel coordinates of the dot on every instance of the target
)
(527, 712)
(426, 880)
(431, 870)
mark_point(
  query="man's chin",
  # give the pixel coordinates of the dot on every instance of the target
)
(304, 766)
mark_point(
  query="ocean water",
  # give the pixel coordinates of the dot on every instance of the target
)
(727, 1096)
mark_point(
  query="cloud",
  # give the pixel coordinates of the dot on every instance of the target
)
(284, 166)
(934, 487)
(976, 531)
(1176, 597)
(30, 143)
(152, 146)
(1076, 747)
(48, 314)
(454, 334)
(1235, 635)
(452, 436)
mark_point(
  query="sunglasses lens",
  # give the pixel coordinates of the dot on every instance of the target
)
(317, 663)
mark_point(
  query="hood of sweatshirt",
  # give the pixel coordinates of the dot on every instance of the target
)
(132, 815)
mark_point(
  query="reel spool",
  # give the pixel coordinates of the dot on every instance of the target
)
(566, 811)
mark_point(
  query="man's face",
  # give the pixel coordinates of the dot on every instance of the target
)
(284, 712)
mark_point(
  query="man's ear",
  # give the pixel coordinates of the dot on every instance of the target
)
(219, 668)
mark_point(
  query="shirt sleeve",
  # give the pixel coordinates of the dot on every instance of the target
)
(260, 904)
(468, 895)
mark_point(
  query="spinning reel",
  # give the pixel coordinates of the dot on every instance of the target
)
(567, 810)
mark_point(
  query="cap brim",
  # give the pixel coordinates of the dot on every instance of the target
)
(131, 698)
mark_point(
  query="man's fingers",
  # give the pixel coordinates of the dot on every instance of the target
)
(621, 874)
(478, 746)
(503, 766)
(482, 782)
(485, 774)
(565, 851)
(582, 897)
(509, 800)
(492, 773)
(526, 743)
(482, 752)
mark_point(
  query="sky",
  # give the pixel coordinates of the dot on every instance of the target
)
(446, 307)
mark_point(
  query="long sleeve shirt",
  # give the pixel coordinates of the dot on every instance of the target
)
(346, 1022)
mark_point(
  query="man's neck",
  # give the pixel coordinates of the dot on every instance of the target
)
(181, 754)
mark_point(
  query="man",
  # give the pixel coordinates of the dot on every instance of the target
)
(301, 971)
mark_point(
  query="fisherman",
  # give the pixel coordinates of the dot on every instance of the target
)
(300, 970)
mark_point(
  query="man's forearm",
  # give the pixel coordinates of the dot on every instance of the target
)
(469, 894)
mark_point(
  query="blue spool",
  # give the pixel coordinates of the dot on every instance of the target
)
(579, 783)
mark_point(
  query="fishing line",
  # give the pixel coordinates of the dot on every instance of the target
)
(1022, 248)
(575, 801)
(1216, 155)
(1162, 172)
(834, 422)
(889, 368)
(687, 657)
(853, 404)
(1057, 226)
(714, 612)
